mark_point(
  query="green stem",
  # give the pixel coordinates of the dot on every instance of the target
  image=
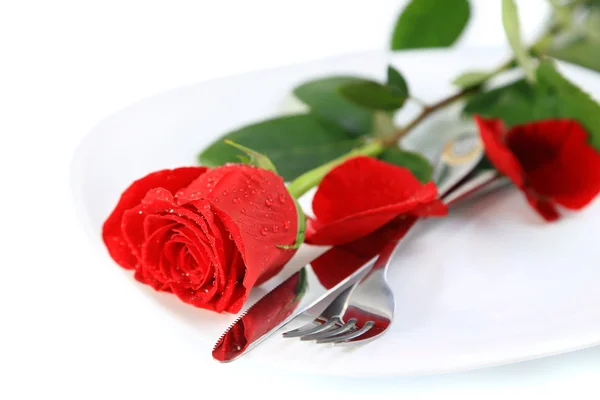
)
(308, 180)
(393, 139)
(540, 47)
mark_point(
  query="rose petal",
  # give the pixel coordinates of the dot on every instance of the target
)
(560, 164)
(543, 206)
(157, 230)
(361, 184)
(132, 223)
(362, 195)
(255, 208)
(226, 301)
(172, 180)
(538, 143)
(492, 134)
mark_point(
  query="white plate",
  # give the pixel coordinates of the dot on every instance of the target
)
(491, 284)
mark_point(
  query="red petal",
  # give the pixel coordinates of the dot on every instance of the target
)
(537, 143)
(255, 208)
(172, 180)
(132, 222)
(492, 134)
(363, 194)
(559, 162)
(544, 207)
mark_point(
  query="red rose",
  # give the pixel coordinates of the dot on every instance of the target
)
(207, 235)
(362, 195)
(550, 161)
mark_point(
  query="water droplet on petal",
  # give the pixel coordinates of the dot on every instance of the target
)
(253, 191)
(269, 201)
(287, 224)
(207, 207)
(243, 211)
(255, 237)
(239, 220)
(171, 210)
(225, 192)
(216, 199)
(236, 200)
(140, 212)
(264, 231)
(230, 237)
(275, 228)
(281, 198)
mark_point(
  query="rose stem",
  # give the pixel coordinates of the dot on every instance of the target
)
(312, 178)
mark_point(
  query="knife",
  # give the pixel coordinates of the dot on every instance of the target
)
(310, 288)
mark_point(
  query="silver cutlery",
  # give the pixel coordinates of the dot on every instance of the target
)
(311, 291)
(364, 311)
(304, 290)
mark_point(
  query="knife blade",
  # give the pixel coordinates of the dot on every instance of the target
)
(309, 288)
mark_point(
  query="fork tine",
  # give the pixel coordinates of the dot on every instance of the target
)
(331, 332)
(315, 329)
(300, 331)
(348, 336)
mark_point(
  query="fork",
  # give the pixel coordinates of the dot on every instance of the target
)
(364, 311)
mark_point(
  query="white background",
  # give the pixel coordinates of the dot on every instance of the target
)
(71, 327)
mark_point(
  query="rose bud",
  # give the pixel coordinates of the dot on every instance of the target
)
(207, 235)
(551, 161)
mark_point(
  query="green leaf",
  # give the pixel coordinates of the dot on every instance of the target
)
(325, 100)
(583, 52)
(372, 95)
(396, 82)
(513, 103)
(472, 79)
(569, 101)
(416, 163)
(253, 157)
(430, 23)
(510, 20)
(295, 143)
